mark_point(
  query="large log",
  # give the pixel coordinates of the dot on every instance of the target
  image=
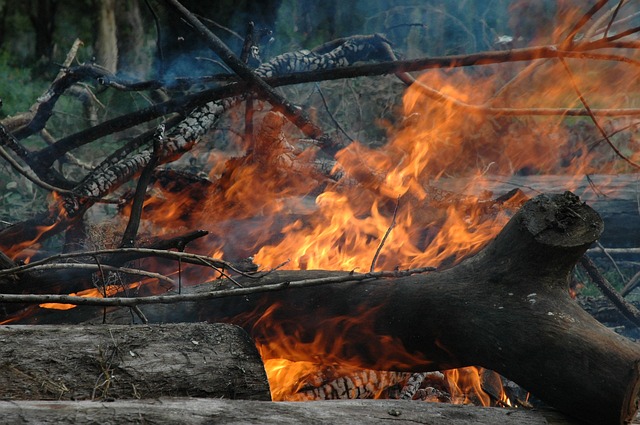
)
(120, 362)
(507, 309)
(194, 411)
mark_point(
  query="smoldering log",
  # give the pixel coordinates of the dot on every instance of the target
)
(506, 309)
(125, 362)
(221, 411)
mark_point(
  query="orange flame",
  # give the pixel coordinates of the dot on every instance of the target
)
(274, 201)
(107, 291)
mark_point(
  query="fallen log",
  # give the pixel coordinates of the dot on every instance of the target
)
(124, 362)
(220, 411)
(506, 309)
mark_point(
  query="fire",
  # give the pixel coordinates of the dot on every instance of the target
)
(436, 143)
(102, 292)
(271, 201)
(109, 291)
(46, 225)
(321, 357)
(274, 204)
(465, 382)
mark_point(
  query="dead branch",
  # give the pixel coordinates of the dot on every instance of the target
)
(385, 236)
(48, 155)
(296, 115)
(214, 294)
(593, 117)
(330, 61)
(569, 40)
(628, 310)
(131, 253)
(100, 268)
(128, 238)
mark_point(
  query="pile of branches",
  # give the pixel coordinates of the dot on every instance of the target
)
(172, 128)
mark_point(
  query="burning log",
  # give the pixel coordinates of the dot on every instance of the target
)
(120, 362)
(506, 309)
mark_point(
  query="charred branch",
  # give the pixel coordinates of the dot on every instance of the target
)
(129, 236)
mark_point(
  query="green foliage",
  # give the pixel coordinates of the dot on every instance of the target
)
(18, 88)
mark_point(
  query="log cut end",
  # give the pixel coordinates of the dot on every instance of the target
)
(527, 268)
(561, 220)
(546, 237)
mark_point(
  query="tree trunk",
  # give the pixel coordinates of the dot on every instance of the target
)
(506, 309)
(106, 45)
(116, 362)
(133, 58)
(221, 411)
(42, 15)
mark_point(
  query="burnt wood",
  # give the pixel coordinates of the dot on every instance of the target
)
(507, 309)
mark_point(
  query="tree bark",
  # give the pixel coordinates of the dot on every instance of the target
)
(221, 411)
(506, 309)
(116, 362)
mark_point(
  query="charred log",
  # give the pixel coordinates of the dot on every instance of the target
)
(506, 309)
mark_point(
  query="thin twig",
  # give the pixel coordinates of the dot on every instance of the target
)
(631, 285)
(202, 260)
(140, 314)
(29, 175)
(95, 267)
(615, 265)
(224, 293)
(103, 279)
(386, 235)
(326, 107)
(613, 18)
(593, 117)
(583, 21)
(249, 109)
